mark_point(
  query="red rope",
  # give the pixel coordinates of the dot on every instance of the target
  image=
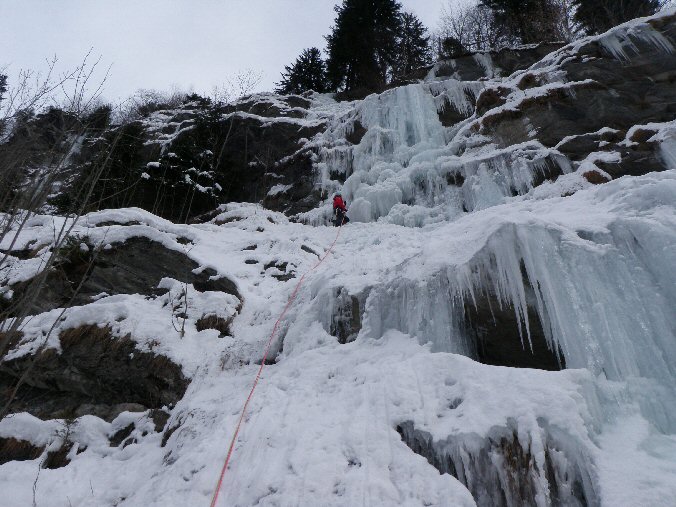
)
(292, 298)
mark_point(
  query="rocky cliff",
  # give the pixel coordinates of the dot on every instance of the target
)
(494, 328)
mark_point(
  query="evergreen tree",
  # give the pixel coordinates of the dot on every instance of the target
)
(3, 90)
(307, 73)
(413, 48)
(526, 21)
(362, 46)
(598, 16)
(3, 87)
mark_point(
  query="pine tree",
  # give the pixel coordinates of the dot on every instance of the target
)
(413, 48)
(307, 73)
(3, 90)
(3, 86)
(598, 16)
(362, 46)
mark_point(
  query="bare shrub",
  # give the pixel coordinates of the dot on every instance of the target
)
(467, 28)
(240, 85)
(146, 101)
(81, 92)
(473, 27)
(32, 158)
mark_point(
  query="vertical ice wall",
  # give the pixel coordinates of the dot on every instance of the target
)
(605, 296)
(403, 164)
(602, 283)
(393, 160)
(400, 124)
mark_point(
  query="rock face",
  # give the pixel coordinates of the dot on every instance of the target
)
(91, 369)
(177, 163)
(491, 64)
(187, 161)
(93, 373)
(135, 266)
(614, 88)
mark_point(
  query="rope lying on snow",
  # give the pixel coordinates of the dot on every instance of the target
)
(292, 298)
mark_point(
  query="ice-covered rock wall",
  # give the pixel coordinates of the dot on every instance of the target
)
(595, 272)
(601, 295)
(426, 152)
(496, 327)
(391, 160)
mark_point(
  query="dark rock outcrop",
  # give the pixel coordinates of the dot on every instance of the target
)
(296, 175)
(36, 142)
(125, 436)
(58, 458)
(94, 373)
(604, 95)
(489, 64)
(346, 318)
(12, 449)
(501, 340)
(122, 437)
(178, 162)
(134, 267)
(214, 322)
(206, 155)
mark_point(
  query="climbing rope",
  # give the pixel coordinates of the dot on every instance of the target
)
(290, 301)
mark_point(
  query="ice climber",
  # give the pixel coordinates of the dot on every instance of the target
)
(339, 211)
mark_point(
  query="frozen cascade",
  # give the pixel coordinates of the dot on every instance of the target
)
(623, 43)
(400, 158)
(605, 313)
(599, 290)
(410, 169)
(502, 471)
(403, 164)
(596, 268)
(603, 303)
(600, 296)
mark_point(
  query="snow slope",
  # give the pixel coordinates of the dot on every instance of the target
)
(322, 427)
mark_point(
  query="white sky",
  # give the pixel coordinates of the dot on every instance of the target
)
(163, 43)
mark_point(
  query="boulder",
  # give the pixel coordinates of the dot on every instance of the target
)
(93, 373)
(135, 266)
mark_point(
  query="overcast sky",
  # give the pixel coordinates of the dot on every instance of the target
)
(161, 43)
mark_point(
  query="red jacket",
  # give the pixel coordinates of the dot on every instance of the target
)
(338, 203)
